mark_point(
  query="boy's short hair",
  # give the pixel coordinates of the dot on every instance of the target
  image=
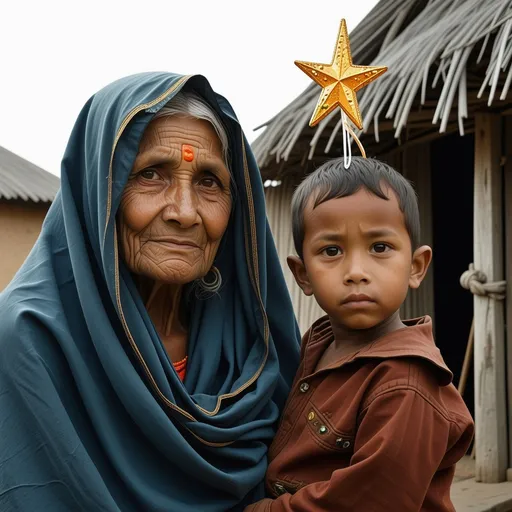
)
(332, 181)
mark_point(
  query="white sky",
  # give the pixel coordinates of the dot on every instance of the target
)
(55, 55)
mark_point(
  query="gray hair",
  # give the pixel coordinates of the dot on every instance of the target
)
(190, 104)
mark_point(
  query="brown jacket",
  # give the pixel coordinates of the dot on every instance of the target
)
(379, 431)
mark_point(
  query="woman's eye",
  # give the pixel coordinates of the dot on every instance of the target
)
(148, 174)
(332, 251)
(209, 182)
(380, 248)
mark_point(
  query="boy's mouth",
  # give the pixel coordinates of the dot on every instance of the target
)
(357, 299)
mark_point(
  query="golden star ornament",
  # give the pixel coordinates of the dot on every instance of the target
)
(340, 80)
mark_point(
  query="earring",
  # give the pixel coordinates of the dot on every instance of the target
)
(211, 282)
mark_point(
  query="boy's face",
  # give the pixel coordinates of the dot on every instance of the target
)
(357, 259)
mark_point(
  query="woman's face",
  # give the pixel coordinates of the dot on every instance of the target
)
(176, 205)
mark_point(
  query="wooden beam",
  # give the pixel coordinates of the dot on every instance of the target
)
(508, 269)
(507, 112)
(490, 393)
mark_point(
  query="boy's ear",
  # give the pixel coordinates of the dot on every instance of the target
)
(420, 262)
(299, 272)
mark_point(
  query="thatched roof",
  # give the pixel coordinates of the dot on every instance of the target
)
(445, 58)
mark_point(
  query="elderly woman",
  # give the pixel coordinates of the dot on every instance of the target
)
(148, 343)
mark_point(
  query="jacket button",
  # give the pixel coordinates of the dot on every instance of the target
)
(304, 387)
(323, 429)
(279, 489)
(340, 442)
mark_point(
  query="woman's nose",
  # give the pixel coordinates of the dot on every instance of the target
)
(181, 207)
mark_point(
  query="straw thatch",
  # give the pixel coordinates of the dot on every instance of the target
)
(446, 59)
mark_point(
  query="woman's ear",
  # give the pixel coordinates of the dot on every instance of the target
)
(299, 272)
(420, 262)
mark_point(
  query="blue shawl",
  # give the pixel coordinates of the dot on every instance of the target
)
(93, 416)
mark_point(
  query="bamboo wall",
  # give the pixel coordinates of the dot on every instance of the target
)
(279, 217)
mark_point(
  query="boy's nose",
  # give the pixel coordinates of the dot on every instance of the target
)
(355, 272)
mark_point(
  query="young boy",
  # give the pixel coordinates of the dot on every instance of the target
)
(373, 422)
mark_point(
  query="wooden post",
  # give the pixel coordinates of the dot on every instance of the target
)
(508, 270)
(490, 385)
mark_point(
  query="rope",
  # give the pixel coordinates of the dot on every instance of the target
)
(476, 282)
(347, 148)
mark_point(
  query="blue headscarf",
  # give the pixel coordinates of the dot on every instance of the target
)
(93, 416)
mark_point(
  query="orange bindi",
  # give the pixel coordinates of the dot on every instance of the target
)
(187, 153)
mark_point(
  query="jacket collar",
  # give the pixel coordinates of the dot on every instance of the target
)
(414, 340)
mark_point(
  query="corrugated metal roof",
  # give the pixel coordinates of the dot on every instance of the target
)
(21, 179)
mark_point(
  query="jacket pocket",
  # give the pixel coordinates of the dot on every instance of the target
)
(325, 435)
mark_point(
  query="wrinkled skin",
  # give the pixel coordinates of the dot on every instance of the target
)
(173, 213)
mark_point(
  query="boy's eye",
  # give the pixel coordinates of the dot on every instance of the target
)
(380, 248)
(332, 251)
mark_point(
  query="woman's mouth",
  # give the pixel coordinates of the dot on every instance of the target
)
(177, 243)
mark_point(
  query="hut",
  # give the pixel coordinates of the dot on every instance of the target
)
(26, 192)
(441, 115)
